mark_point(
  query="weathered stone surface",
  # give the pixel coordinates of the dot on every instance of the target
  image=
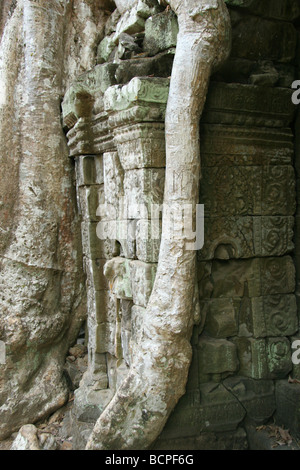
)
(142, 280)
(247, 237)
(160, 65)
(90, 403)
(133, 17)
(210, 409)
(102, 307)
(130, 23)
(114, 183)
(221, 318)
(89, 170)
(244, 146)
(117, 272)
(143, 188)
(90, 136)
(94, 269)
(89, 199)
(238, 190)
(148, 235)
(248, 105)
(236, 440)
(264, 358)
(26, 439)
(271, 316)
(150, 90)
(137, 314)
(258, 38)
(94, 244)
(257, 316)
(256, 396)
(106, 47)
(287, 406)
(155, 41)
(82, 92)
(253, 278)
(141, 146)
(216, 357)
(105, 338)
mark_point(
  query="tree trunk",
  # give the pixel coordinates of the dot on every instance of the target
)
(41, 281)
(162, 351)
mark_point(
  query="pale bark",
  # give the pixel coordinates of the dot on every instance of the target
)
(42, 302)
(162, 350)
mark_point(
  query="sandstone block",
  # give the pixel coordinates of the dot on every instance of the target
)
(113, 189)
(141, 145)
(253, 190)
(216, 356)
(247, 237)
(210, 409)
(102, 307)
(161, 32)
(257, 397)
(257, 316)
(142, 279)
(139, 89)
(254, 277)
(89, 170)
(148, 236)
(264, 358)
(221, 317)
(94, 269)
(117, 272)
(95, 246)
(248, 105)
(273, 40)
(143, 189)
(89, 198)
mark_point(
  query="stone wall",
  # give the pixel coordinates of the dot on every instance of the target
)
(114, 120)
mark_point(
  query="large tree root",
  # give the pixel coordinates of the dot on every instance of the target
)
(162, 351)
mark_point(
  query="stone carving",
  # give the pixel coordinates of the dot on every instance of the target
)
(211, 408)
(264, 358)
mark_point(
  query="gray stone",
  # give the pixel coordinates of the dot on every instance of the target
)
(221, 319)
(89, 170)
(257, 38)
(27, 439)
(159, 65)
(161, 32)
(148, 235)
(89, 199)
(264, 358)
(210, 409)
(117, 272)
(141, 145)
(287, 406)
(216, 357)
(143, 189)
(236, 440)
(257, 397)
(142, 280)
